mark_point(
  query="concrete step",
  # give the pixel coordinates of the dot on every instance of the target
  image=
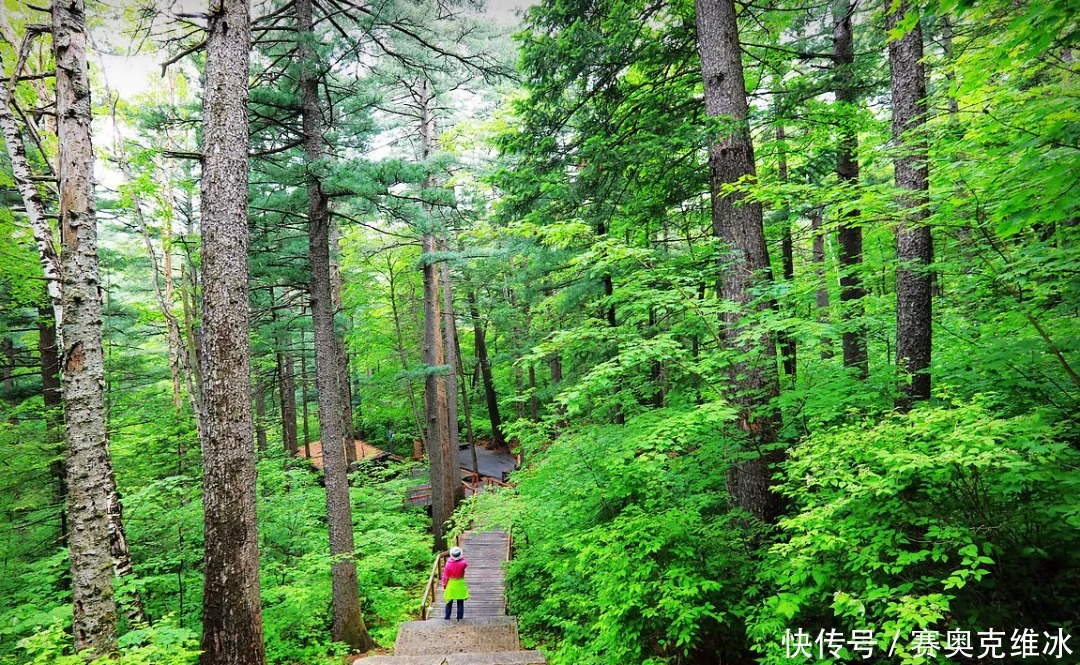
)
(481, 634)
(482, 658)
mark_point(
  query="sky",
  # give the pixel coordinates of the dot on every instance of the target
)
(130, 75)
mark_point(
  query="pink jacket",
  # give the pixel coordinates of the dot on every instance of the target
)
(454, 569)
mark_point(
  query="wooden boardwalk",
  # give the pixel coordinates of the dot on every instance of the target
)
(486, 636)
(486, 552)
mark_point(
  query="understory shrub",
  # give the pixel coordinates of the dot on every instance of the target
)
(626, 551)
(946, 518)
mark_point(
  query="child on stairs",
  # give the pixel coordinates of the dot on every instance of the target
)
(453, 581)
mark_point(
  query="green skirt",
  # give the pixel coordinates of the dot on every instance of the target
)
(456, 589)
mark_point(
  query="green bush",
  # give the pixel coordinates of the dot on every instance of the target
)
(944, 518)
(625, 549)
(162, 644)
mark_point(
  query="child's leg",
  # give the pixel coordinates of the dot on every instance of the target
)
(460, 609)
(448, 606)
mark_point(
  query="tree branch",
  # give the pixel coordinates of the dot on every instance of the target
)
(183, 54)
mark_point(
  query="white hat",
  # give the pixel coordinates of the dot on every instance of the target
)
(456, 553)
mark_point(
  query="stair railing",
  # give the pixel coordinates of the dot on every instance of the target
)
(429, 589)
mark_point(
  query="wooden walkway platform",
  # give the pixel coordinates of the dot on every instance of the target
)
(486, 552)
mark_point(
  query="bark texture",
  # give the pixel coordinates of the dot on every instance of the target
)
(914, 244)
(232, 615)
(738, 223)
(89, 472)
(453, 362)
(348, 626)
(49, 353)
(847, 170)
(442, 474)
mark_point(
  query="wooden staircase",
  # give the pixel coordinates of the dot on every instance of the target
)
(486, 636)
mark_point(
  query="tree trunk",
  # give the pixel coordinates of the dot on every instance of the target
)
(348, 433)
(232, 615)
(7, 367)
(534, 401)
(821, 296)
(788, 346)
(51, 394)
(304, 383)
(442, 436)
(176, 345)
(121, 554)
(417, 454)
(453, 362)
(286, 375)
(847, 170)
(443, 475)
(177, 358)
(738, 223)
(88, 467)
(619, 417)
(260, 414)
(186, 361)
(336, 285)
(287, 395)
(492, 400)
(348, 624)
(914, 244)
(33, 204)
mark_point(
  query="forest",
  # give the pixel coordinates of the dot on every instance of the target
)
(774, 306)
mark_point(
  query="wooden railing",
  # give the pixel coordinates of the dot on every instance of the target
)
(478, 483)
(429, 589)
(474, 485)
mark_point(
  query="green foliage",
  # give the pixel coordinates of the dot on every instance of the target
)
(393, 554)
(946, 518)
(625, 550)
(162, 644)
(586, 248)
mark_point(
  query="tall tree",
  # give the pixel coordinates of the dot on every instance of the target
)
(348, 623)
(89, 470)
(232, 614)
(336, 282)
(738, 223)
(490, 397)
(450, 355)
(788, 346)
(849, 234)
(33, 203)
(440, 385)
(914, 244)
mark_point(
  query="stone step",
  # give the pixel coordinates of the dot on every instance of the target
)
(481, 658)
(490, 634)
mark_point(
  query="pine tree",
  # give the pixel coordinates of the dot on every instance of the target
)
(232, 614)
(739, 224)
(914, 243)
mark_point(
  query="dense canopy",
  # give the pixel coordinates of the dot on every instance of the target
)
(774, 306)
